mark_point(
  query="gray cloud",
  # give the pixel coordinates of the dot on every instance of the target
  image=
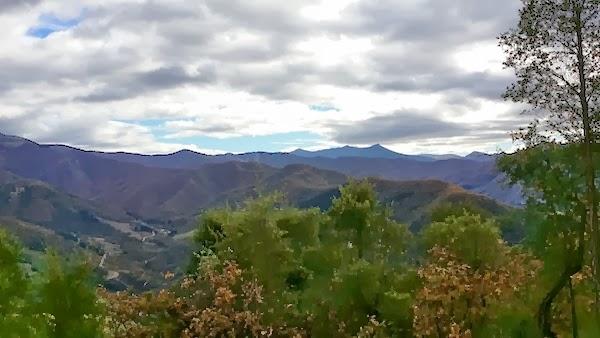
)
(412, 56)
(141, 83)
(52, 127)
(410, 126)
(394, 128)
(417, 39)
(445, 22)
(266, 16)
(6, 5)
(192, 127)
(251, 46)
(86, 131)
(479, 84)
(414, 52)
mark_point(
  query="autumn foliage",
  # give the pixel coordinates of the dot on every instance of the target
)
(217, 302)
(270, 270)
(457, 299)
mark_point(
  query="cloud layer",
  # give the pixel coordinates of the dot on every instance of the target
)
(419, 75)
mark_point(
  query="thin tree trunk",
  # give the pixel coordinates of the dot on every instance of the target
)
(573, 265)
(545, 310)
(574, 327)
(589, 141)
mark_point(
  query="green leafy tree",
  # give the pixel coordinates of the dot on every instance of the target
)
(441, 212)
(15, 320)
(361, 269)
(556, 213)
(474, 241)
(330, 272)
(267, 240)
(554, 52)
(65, 296)
(352, 211)
(259, 237)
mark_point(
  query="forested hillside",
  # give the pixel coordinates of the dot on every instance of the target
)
(342, 242)
(137, 219)
(81, 172)
(265, 269)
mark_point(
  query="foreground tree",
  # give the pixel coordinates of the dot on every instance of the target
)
(333, 273)
(555, 52)
(556, 213)
(60, 301)
(475, 241)
(216, 302)
(65, 293)
(14, 286)
(470, 277)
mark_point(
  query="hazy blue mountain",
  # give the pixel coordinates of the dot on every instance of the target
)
(479, 156)
(441, 157)
(75, 171)
(374, 151)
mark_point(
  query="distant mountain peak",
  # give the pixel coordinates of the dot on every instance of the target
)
(479, 156)
(13, 140)
(374, 151)
(185, 151)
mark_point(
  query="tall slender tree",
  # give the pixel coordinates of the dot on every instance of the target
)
(555, 52)
(556, 214)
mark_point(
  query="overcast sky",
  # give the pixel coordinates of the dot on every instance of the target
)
(156, 76)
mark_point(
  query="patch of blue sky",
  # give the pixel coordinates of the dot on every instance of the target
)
(242, 144)
(49, 24)
(323, 107)
(156, 126)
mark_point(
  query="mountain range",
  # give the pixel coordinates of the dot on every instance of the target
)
(476, 172)
(134, 213)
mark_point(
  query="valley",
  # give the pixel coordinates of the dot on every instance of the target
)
(133, 215)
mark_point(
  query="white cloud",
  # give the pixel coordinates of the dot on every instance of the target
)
(230, 68)
(326, 10)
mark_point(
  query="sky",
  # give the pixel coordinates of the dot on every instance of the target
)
(214, 76)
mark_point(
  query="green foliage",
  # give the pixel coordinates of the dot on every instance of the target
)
(553, 51)
(442, 211)
(513, 225)
(14, 287)
(350, 271)
(339, 263)
(474, 241)
(66, 291)
(556, 214)
(259, 237)
(58, 302)
(352, 209)
(13, 284)
(511, 322)
(510, 221)
(351, 212)
(553, 179)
